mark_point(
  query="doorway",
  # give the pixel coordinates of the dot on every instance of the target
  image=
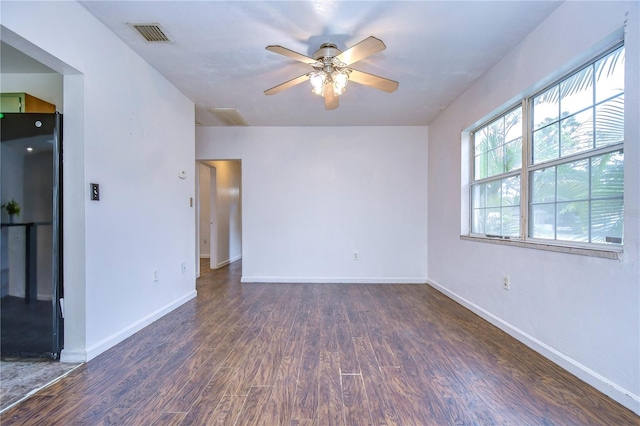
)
(30, 240)
(219, 221)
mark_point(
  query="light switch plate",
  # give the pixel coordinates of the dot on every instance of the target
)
(95, 192)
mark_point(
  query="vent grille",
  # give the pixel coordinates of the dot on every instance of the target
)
(153, 33)
(229, 116)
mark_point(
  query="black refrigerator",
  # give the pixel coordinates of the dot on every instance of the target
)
(31, 238)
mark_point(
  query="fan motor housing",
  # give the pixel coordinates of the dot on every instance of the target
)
(326, 50)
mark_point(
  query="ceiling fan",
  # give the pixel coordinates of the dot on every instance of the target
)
(331, 70)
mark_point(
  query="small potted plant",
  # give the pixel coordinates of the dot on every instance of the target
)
(13, 209)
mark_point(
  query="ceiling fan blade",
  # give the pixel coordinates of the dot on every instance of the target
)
(364, 49)
(374, 81)
(291, 54)
(330, 98)
(287, 84)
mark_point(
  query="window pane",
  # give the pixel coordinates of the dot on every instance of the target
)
(477, 223)
(478, 195)
(511, 191)
(493, 155)
(573, 221)
(610, 122)
(511, 221)
(495, 161)
(494, 193)
(576, 92)
(573, 181)
(513, 155)
(542, 221)
(577, 133)
(607, 175)
(493, 222)
(480, 167)
(480, 141)
(495, 133)
(610, 75)
(606, 221)
(513, 125)
(543, 185)
(496, 207)
(546, 108)
(546, 143)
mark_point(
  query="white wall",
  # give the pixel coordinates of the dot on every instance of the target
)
(228, 211)
(313, 196)
(131, 131)
(582, 312)
(204, 216)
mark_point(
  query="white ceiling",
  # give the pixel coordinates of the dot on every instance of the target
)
(435, 49)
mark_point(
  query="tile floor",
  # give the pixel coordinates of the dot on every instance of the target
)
(19, 378)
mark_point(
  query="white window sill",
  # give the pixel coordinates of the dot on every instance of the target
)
(614, 253)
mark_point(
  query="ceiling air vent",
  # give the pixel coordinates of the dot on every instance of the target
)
(229, 116)
(153, 33)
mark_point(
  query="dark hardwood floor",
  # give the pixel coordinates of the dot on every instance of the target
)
(318, 354)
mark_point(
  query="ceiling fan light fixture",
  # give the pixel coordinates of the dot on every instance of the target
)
(340, 80)
(318, 79)
(332, 70)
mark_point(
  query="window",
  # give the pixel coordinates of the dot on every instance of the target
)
(569, 188)
(497, 150)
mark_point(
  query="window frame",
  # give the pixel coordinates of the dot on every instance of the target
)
(527, 168)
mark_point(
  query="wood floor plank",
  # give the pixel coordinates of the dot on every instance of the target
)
(253, 409)
(404, 354)
(380, 402)
(264, 348)
(384, 354)
(355, 403)
(201, 410)
(169, 419)
(280, 331)
(330, 391)
(344, 338)
(306, 396)
(281, 402)
(408, 400)
(186, 396)
(328, 327)
(306, 422)
(33, 411)
(227, 411)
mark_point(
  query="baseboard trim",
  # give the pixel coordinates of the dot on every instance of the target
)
(584, 373)
(95, 350)
(334, 280)
(228, 261)
(73, 356)
(204, 256)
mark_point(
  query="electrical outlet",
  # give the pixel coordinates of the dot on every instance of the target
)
(356, 255)
(184, 268)
(505, 282)
(155, 275)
